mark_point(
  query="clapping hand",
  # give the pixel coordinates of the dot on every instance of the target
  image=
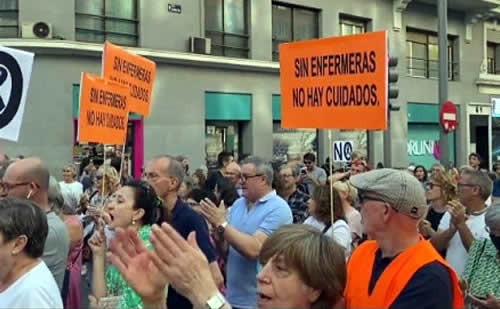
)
(134, 261)
(490, 302)
(215, 215)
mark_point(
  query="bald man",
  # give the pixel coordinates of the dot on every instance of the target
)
(29, 179)
(233, 174)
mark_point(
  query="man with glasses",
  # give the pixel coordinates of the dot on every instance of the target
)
(29, 179)
(251, 220)
(312, 175)
(165, 174)
(397, 268)
(296, 199)
(464, 220)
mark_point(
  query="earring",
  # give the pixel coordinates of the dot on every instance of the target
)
(133, 222)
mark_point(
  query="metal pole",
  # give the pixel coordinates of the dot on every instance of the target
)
(443, 73)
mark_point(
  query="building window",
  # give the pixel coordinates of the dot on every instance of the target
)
(291, 23)
(226, 24)
(113, 20)
(293, 144)
(351, 25)
(423, 55)
(491, 58)
(9, 20)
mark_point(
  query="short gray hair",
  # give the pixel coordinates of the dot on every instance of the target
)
(23, 217)
(262, 167)
(56, 199)
(480, 179)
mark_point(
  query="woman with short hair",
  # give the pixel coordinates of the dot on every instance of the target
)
(301, 268)
(320, 216)
(25, 280)
(71, 189)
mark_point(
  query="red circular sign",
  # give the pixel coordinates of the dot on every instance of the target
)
(448, 117)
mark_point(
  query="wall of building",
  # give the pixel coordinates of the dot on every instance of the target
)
(177, 122)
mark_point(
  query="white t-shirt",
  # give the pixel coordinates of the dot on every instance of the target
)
(72, 192)
(35, 289)
(339, 231)
(456, 255)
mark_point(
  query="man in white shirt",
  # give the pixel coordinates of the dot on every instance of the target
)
(464, 220)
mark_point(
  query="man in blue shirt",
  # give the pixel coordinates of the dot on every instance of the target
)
(251, 220)
(165, 174)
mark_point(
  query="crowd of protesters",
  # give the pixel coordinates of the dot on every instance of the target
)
(248, 234)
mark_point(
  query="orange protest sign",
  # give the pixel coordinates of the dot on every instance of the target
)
(103, 111)
(132, 71)
(335, 83)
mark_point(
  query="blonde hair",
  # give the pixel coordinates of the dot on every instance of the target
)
(447, 183)
(346, 187)
(110, 177)
(319, 261)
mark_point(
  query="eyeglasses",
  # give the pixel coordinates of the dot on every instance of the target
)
(286, 175)
(98, 177)
(246, 177)
(431, 186)
(66, 171)
(461, 185)
(308, 162)
(6, 187)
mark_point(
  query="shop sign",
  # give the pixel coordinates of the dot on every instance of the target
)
(421, 147)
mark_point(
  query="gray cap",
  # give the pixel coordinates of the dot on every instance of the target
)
(398, 188)
(492, 217)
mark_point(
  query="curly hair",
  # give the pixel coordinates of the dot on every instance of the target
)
(448, 184)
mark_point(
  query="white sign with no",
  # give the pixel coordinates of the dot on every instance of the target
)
(342, 151)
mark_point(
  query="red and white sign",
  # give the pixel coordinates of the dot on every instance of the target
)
(448, 117)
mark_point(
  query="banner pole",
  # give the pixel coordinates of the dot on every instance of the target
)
(122, 160)
(103, 175)
(331, 174)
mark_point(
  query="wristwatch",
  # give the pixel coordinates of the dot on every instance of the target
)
(221, 228)
(215, 302)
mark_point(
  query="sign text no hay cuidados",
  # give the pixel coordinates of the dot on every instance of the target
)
(335, 83)
(104, 111)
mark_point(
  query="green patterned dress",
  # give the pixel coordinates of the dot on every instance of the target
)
(117, 285)
(482, 271)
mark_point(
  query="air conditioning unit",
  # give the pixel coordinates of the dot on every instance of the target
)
(199, 45)
(36, 30)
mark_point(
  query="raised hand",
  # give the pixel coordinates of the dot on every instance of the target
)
(134, 261)
(183, 263)
(97, 242)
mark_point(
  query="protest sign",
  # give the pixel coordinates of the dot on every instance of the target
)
(342, 151)
(132, 71)
(335, 83)
(15, 72)
(104, 111)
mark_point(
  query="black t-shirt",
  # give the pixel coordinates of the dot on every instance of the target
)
(184, 221)
(214, 179)
(429, 288)
(434, 218)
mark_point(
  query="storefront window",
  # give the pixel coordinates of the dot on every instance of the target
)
(219, 137)
(289, 144)
(82, 152)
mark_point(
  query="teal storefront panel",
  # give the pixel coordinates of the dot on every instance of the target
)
(76, 104)
(276, 107)
(423, 134)
(228, 106)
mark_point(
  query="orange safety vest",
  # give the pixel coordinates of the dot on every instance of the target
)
(393, 279)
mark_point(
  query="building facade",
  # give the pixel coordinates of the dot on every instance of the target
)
(230, 100)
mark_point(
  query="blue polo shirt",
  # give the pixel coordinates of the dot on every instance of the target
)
(184, 221)
(267, 215)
